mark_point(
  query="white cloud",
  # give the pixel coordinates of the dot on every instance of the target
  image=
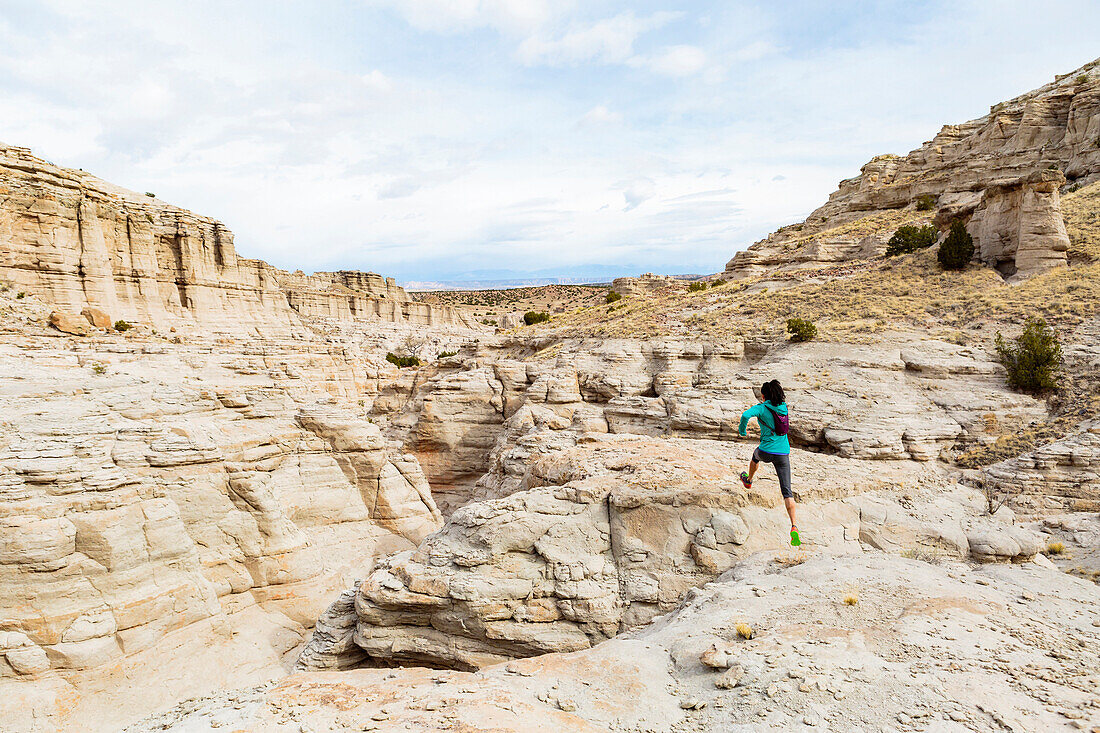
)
(677, 61)
(456, 16)
(607, 41)
(598, 116)
(638, 191)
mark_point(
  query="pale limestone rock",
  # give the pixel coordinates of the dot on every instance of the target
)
(590, 552)
(1018, 225)
(645, 284)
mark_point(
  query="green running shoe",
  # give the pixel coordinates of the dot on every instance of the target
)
(795, 539)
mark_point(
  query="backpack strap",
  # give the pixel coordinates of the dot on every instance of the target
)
(775, 414)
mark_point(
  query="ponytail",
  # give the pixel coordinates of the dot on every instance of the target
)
(773, 392)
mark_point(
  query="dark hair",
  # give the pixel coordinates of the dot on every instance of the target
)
(773, 392)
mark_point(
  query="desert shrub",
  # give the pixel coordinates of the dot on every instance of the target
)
(926, 202)
(99, 368)
(1082, 79)
(121, 325)
(910, 238)
(533, 317)
(20, 295)
(958, 249)
(402, 361)
(697, 287)
(1033, 360)
(744, 630)
(851, 599)
(446, 354)
(150, 194)
(1055, 548)
(716, 283)
(801, 330)
(612, 296)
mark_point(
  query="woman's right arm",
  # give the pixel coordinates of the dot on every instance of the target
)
(745, 417)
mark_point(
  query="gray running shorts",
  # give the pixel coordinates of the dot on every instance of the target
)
(782, 463)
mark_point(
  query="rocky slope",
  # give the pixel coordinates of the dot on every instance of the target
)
(1000, 173)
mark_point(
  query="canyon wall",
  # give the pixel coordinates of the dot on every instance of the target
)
(78, 242)
(175, 517)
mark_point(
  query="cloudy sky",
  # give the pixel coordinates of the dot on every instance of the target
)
(446, 139)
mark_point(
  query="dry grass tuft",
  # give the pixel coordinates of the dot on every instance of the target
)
(1055, 548)
(744, 630)
(851, 599)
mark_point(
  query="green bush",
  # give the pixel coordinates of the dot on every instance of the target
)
(910, 238)
(99, 368)
(402, 361)
(716, 283)
(801, 330)
(1082, 79)
(533, 317)
(446, 354)
(926, 202)
(123, 326)
(697, 287)
(612, 296)
(20, 295)
(958, 249)
(1033, 360)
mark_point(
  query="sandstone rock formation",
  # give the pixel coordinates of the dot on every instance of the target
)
(184, 508)
(645, 284)
(998, 164)
(616, 530)
(936, 647)
(79, 242)
(1068, 470)
(1018, 224)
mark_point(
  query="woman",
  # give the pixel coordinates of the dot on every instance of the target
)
(775, 448)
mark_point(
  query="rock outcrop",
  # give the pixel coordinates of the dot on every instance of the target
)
(616, 530)
(78, 242)
(919, 646)
(645, 284)
(170, 507)
(1008, 165)
(1060, 476)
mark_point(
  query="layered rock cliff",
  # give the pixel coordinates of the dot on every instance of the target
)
(81, 242)
(1000, 173)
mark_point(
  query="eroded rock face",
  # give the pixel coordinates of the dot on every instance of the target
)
(1008, 165)
(616, 530)
(911, 398)
(80, 242)
(1018, 225)
(171, 509)
(1062, 475)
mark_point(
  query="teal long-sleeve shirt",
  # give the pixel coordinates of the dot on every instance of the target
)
(769, 441)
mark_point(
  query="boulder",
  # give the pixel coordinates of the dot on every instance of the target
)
(70, 324)
(98, 318)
